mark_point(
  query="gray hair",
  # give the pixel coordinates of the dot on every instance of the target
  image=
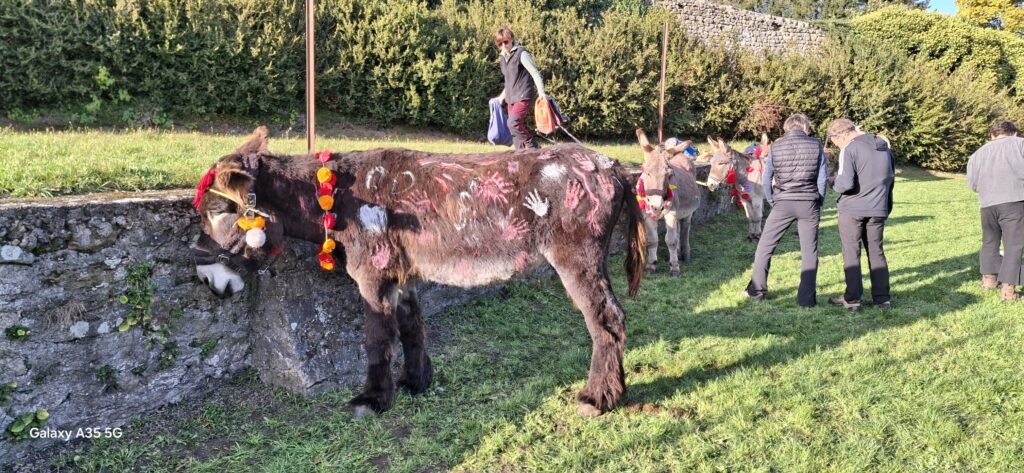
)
(797, 121)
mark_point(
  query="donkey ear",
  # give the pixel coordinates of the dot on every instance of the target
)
(681, 147)
(642, 138)
(255, 144)
(231, 177)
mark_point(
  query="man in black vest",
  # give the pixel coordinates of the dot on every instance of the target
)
(795, 177)
(523, 84)
(864, 183)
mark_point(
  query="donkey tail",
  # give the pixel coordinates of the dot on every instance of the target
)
(636, 242)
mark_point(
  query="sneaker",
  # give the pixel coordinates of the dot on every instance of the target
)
(989, 282)
(839, 301)
(755, 298)
(884, 305)
(1009, 293)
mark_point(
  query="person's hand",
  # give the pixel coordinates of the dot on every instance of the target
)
(831, 181)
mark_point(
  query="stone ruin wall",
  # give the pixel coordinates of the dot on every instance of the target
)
(715, 23)
(73, 270)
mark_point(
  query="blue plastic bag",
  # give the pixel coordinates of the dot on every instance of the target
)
(497, 130)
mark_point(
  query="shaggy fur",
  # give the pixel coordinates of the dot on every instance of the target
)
(464, 220)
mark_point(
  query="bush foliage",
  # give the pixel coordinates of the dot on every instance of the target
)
(434, 64)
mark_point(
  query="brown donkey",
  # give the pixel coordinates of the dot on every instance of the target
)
(742, 174)
(668, 189)
(458, 219)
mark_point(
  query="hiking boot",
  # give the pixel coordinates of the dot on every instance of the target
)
(989, 282)
(1009, 293)
(839, 301)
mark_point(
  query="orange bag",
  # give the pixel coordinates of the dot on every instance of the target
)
(545, 116)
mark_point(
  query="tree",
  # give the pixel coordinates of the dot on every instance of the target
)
(821, 9)
(1000, 14)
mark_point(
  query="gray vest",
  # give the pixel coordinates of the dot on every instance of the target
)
(518, 82)
(796, 158)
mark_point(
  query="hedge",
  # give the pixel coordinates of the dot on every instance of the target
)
(433, 64)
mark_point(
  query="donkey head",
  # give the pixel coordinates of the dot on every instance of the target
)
(723, 162)
(655, 172)
(237, 231)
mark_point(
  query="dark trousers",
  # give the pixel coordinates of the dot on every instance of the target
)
(806, 214)
(517, 114)
(867, 231)
(1003, 223)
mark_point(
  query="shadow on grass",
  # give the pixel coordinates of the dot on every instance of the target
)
(810, 330)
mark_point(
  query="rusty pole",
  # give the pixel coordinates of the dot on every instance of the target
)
(661, 103)
(310, 79)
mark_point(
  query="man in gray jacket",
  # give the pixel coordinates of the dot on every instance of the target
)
(864, 183)
(794, 181)
(996, 173)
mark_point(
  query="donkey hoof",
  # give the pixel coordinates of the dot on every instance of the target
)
(361, 412)
(587, 410)
(675, 273)
(651, 269)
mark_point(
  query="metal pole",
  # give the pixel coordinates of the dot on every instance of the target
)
(661, 103)
(310, 79)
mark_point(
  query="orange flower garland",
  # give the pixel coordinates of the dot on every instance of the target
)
(326, 179)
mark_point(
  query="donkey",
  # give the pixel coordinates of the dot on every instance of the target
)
(667, 187)
(402, 216)
(742, 172)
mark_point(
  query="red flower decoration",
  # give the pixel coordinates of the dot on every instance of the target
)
(204, 184)
(735, 192)
(326, 188)
(731, 178)
(750, 169)
(746, 196)
(326, 261)
(329, 221)
(324, 156)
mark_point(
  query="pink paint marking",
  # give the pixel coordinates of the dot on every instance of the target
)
(546, 155)
(513, 167)
(515, 229)
(381, 256)
(456, 167)
(592, 215)
(462, 269)
(488, 162)
(607, 188)
(494, 188)
(416, 203)
(573, 192)
(444, 185)
(584, 161)
(523, 260)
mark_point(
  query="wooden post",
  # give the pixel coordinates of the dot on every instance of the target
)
(310, 78)
(661, 102)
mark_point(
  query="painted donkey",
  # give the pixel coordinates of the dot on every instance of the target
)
(668, 190)
(458, 219)
(742, 173)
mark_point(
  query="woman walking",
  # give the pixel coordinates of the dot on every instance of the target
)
(523, 84)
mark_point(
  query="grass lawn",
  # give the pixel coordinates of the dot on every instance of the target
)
(37, 163)
(714, 383)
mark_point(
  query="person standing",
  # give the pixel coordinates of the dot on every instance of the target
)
(864, 182)
(996, 172)
(794, 180)
(523, 84)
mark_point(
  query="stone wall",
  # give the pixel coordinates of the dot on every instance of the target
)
(76, 272)
(716, 23)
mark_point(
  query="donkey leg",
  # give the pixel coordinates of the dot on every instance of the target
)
(381, 330)
(684, 236)
(419, 371)
(749, 212)
(672, 241)
(587, 284)
(651, 226)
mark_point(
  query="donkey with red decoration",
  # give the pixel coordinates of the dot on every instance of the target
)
(667, 189)
(741, 173)
(391, 217)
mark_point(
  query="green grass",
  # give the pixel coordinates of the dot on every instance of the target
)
(38, 163)
(933, 385)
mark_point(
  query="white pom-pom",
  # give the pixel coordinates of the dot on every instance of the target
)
(255, 238)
